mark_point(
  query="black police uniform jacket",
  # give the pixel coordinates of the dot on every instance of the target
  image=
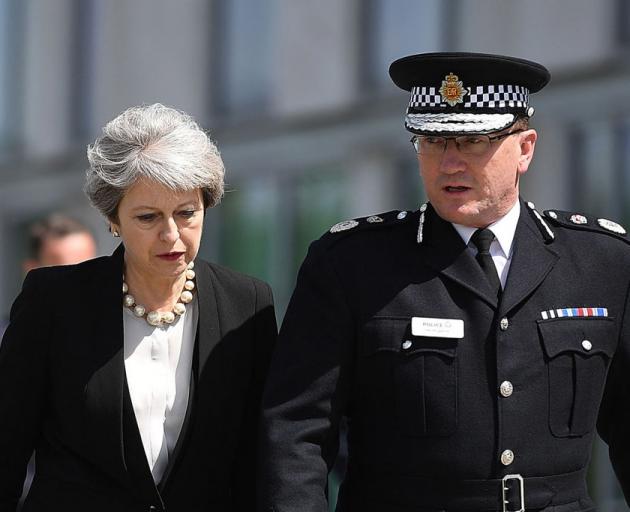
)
(428, 425)
(64, 394)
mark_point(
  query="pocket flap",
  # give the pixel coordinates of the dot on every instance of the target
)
(586, 336)
(394, 335)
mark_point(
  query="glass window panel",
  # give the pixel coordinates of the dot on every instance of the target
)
(84, 26)
(592, 157)
(623, 149)
(321, 202)
(395, 28)
(247, 228)
(4, 72)
(242, 47)
(267, 224)
(410, 190)
(623, 22)
(11, 48)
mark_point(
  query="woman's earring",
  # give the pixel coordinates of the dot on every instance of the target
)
(115, 233)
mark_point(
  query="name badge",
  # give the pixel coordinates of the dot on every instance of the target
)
(437, 327)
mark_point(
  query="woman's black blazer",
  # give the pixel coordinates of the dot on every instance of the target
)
(63, 393)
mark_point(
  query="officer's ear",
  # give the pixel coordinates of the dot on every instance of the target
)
(527, 144)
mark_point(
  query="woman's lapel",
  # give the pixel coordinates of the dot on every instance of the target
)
(209, 326)
(207, 337)
(104, 390)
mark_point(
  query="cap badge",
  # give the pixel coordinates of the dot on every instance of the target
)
(611, 226)
(452, 90)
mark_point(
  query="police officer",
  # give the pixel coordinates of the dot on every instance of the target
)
(468, 343)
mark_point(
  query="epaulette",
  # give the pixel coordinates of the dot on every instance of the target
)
(574, 220)
(390, 218)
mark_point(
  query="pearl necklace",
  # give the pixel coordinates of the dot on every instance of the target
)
(157, 318)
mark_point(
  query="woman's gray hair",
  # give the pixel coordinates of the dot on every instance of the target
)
(157, 143)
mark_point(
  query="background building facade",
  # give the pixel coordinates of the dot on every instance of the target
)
(297, 96)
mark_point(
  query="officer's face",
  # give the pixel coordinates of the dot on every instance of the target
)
(477, 190)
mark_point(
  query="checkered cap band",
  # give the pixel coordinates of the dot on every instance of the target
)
(488, 96)
(458, 123)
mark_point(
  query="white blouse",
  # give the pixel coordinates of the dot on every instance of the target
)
(158, 363)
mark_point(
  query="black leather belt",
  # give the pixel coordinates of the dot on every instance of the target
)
(514, 493)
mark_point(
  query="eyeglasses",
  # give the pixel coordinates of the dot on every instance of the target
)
(467, 144)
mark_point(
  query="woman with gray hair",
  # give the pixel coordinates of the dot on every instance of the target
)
(137, 377)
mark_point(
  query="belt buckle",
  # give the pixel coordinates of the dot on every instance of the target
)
(504, 490)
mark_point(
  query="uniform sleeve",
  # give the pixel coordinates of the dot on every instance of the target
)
(264, 340)
(307, 391)
(614, 415)
(23, 377)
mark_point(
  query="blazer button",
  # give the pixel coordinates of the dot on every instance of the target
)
(504, 324)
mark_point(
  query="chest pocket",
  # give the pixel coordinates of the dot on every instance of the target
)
(422, 374)
(578, 352)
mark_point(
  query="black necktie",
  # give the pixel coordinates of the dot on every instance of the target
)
(482, 238)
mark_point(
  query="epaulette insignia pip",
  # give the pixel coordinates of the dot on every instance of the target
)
(611, 226)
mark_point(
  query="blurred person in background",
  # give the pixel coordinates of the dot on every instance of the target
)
(468, 343)
(55, 240)
(58, 240)
(137, 377)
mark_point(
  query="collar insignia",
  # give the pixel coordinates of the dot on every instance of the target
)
(452, 90)
(420, 236)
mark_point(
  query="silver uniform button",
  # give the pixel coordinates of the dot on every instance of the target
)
(507, 457)
(506, 388)
(504, 324)
(406, 345)
(587, 345)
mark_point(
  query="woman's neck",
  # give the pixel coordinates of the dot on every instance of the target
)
(154, 294)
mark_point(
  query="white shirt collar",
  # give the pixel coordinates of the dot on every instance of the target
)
(503, 229)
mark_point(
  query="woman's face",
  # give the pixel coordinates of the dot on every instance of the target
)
(160, 228)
